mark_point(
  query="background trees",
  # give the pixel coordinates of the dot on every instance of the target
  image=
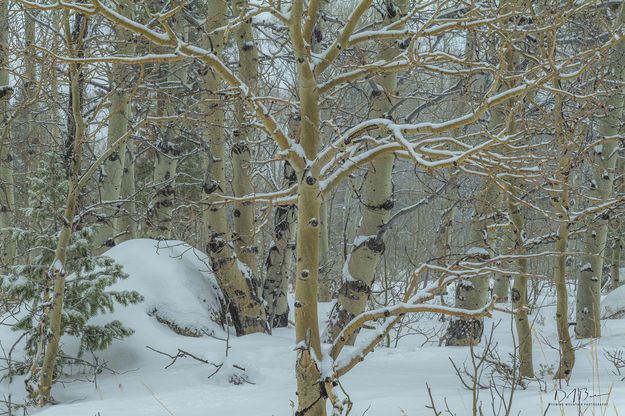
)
(311, 141)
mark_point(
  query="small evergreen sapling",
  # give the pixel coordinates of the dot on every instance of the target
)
(87, 290)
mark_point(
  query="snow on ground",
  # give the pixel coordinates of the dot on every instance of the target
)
(391, 381)
(614, 303)
(175, 281)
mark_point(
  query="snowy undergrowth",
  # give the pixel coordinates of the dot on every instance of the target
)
(613, 305)
(255, 373)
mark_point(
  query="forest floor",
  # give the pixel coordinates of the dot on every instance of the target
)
(254, 375)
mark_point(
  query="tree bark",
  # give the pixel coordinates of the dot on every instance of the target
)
(168, 147)
(311, 401)
(126, 222)
(473, 293)
(28, 134)
(519, 288)
(235, 278)
(244, 212)
(326, 276)
(51, 330)
(601, 187)
(618, 229)
(112, 170)
(278, 261)
(567, 353)
(560, 202)
(378, 201)
(7, 191)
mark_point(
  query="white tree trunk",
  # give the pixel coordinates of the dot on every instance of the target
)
(275, 287)
(127, 221)
(244, 212)
(168, 149)
(560, 202)
(310, 400)
(378, 201)
(473, 294)
(601, 187)
(234, 277)
(7, 191)
(50, 326)
(112, 170)
(519, 288)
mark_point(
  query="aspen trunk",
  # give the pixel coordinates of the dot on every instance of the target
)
(507, 247)
(162, 205)
(244, 212)
(235, 278)
(307, 336)
(311, 401)
(28, 135)
(501, 282)
(326, 276)
(119, 114)
(618, 229)
(567, 353)
(617, 248)
(473, 293)
(127, 223)
(604, 163)
(367, 247)
(7, 191)
(325, 271)
(51, 329)
(278, 261)
(519, 288)
(445, 227)
(560, 202)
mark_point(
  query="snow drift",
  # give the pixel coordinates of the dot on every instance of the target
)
(613, 305)
(174, 279)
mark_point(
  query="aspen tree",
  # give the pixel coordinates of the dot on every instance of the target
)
(560, 202)
(234, 277)
(601, 187)
(112, 171)
(30, 137)
(278, 262)
(472, 294)
(378, 201)
(127, 223)
(307, 337)
(445, 226)
(326, 277)
(7, 191)
(168, 146)
(28, 134)
(516, 216)
(618, 229)
(519, 287)
(501, 282)
(52, 315)
(244, 212)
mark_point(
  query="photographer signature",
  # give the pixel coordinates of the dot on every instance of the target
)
(578, 396)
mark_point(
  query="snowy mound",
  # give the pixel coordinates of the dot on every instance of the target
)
(613, 305)
(173, 278)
